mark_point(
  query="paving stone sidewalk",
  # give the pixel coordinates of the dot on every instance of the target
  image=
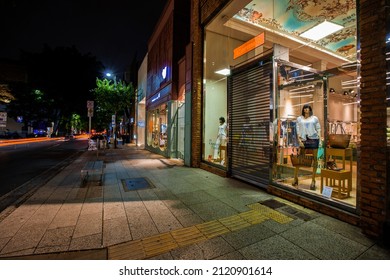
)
(150, 207)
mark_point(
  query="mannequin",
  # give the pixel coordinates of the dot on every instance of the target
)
(308, 127)
(221, 138)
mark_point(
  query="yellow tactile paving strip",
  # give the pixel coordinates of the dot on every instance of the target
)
(187, 236)
(162, 243)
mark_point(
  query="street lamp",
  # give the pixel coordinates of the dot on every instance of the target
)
(110, 75)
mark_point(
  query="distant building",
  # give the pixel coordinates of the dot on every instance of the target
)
(165, 100)
(11, 73)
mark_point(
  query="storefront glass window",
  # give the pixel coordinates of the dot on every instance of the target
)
(157, 127)
(311, 92)
(320, 107)
(215, 128)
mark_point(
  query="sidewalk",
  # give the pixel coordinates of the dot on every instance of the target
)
(150, 207)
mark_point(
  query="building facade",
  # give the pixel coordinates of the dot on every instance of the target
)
(257, 67)
(140, 122)
(165, 93)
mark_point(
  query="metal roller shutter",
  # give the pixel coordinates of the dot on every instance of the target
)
(249, 91)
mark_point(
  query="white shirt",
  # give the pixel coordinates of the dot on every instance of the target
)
(308, 127)
(222, 131)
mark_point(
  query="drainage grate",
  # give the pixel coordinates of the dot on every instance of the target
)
(272, 203)
(136, 184)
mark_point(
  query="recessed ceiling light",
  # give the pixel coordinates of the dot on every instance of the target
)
(321, 30)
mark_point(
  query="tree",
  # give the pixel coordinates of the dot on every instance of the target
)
(5, 94)
(113, 98)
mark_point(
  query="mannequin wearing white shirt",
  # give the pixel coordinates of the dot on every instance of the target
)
(308, 126)
(221, 138)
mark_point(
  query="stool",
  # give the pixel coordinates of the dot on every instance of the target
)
(341, 181)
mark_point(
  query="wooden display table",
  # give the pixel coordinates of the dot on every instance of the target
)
(340, 181)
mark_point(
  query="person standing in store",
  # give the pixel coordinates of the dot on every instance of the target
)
(309, 134)
(221, 139)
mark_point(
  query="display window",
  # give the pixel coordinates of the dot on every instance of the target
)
(316, 130)
(157, 127)
(215, 124)
(292, 122)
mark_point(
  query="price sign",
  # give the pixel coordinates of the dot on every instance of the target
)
(327, 191)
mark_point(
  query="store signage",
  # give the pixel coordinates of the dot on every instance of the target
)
(164, 73)
(249, 45)
(157, 97)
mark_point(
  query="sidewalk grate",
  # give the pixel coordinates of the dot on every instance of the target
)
(133, 184)
(272, 203)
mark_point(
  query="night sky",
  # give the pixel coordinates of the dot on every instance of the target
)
(113, 30)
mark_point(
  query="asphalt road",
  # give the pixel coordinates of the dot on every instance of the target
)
(24, 166)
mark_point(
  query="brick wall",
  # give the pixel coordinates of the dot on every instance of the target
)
(372, 176)
(196, 97)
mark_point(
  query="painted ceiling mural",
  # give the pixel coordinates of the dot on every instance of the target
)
(293, 17)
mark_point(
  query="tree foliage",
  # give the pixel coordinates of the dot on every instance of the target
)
(112, 97)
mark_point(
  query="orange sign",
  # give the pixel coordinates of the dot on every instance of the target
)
(249, 45)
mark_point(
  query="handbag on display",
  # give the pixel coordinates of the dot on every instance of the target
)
(339, 141)
(301, 160)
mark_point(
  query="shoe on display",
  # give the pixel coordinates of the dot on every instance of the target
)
(331, 165)
(313, 186)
